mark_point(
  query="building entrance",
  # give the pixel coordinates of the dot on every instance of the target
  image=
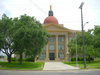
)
(52, 56)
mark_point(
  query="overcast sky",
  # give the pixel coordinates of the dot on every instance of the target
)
(66, 11)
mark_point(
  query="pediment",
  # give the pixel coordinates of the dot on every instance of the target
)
(56, 28)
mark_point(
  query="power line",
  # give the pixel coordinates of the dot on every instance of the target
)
(37, 6)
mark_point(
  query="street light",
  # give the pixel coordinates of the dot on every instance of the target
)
(81, 7)
(85, 24)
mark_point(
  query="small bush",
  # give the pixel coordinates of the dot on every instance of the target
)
(29, 59)
(13, 59)
(26, 59)
(1, 56)
(81, 59)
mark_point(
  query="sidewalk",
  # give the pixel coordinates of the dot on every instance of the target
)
(58, 66)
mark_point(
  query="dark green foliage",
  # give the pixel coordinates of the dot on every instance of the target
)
(24, 59)
(6, 38)
(29, 37)
(81, 59)
(22, 35)
(92, 44)
(13, 59)
(29, 59)
(97, 41)
(88, 47)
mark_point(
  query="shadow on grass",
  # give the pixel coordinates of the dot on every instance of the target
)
(24, 66)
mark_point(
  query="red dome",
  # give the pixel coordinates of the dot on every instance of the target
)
(50, 19)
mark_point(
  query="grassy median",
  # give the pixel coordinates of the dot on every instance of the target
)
(91, 65)
(24, 66)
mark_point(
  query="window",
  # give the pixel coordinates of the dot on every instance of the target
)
(61, 39)
(61, 55)
(60, 47)
(52, 39)
(51, 47)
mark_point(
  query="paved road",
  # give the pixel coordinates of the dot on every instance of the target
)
(58, 66)
(69, 72)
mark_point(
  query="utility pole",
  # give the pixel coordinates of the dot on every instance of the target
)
(81, 7)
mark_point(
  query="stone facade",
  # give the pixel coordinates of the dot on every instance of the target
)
(57, 47)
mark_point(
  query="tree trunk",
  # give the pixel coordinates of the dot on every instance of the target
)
(9, 58)
(21, 57)
(34, 59)
(89, 58)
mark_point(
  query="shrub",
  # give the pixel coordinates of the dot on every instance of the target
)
(81, 59)
(1, 56)
(13, 59)
(29, 59)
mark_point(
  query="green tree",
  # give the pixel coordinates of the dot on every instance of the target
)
(97, 41)
(29, 36)
(72, 46)
(6, 39)
(88, 39)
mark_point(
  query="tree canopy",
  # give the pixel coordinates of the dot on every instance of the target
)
(6, 39)
(22, 34)
(29, 35)
(97, 41)
(92, 43)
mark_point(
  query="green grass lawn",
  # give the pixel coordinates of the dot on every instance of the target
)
(24, 66)
(91, 65)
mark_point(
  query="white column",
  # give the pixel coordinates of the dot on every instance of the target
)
(47, 53)
(66, 47)
(56, 53)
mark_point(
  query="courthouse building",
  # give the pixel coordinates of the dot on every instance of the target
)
(57, 46)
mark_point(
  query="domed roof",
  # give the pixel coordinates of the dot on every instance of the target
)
(50, 19)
